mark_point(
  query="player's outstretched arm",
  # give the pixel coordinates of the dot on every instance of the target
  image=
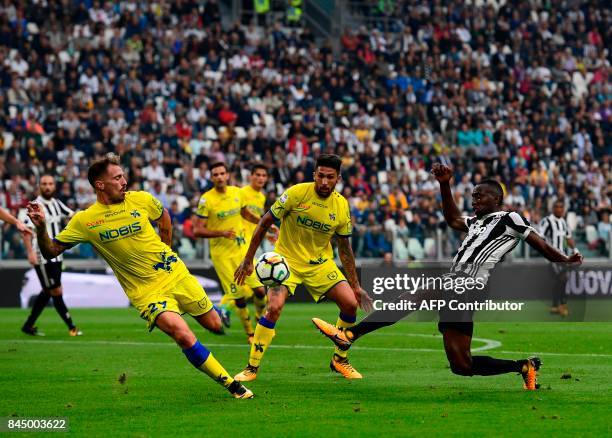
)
(164, 225)
(10, 219)
(345, 251)
(452, 215)
(48, 247)
(550, 252)
(246, 267)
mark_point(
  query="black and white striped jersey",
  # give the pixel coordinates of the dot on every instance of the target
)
(489, 239)
(55, 214)
(555, 231)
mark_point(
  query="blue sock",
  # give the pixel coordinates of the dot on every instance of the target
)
(266, 323)
(196, 354)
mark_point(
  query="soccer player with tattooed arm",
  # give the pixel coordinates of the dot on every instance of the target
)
(155, 279)
(491, 234)
(311, 214)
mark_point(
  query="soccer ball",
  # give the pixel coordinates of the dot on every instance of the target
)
(271, 269)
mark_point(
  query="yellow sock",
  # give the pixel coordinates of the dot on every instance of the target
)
(260, 306)
(264, 332)
(342, 324)
(215, 370)
(245, 319)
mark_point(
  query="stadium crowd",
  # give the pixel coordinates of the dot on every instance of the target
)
(516, 91)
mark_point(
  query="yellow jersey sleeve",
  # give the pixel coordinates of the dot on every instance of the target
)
(286, 202)
(202, 210)
(73, 234)
(244, 199)
(345, 225)
(151, 204)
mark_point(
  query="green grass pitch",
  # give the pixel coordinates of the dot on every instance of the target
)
(407, 388)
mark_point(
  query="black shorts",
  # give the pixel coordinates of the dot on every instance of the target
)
(467, 328)
(460, 320)
(50, 275)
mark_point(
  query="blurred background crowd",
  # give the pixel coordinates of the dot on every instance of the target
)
(515, 91)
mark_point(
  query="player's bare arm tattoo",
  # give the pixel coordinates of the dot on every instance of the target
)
(263, 225)
(165, 228)
(348, 260)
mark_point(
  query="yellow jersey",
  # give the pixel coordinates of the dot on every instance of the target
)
(222, 211)
(308, 222)
(123, 236)
(255, 201)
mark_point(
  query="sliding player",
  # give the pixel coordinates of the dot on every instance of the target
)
(492, 233)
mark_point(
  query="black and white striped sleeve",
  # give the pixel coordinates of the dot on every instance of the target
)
(545, 228)
(468, 220)
(67, 212)
(518, 226)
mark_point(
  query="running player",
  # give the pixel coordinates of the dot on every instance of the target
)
(254, 200)
(153, 277)
(221, 216)
(492, 233)
(49, 271)
(311, 214)
(554, 228)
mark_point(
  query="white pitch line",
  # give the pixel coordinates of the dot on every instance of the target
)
(279, 346)
(489, 344)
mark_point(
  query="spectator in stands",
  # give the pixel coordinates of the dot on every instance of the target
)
(493, 96)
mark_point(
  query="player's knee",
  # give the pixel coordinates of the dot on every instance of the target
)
(184, 338)
(55, 292)
(461, 367)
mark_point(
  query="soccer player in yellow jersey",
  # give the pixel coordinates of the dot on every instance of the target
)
(221, 216)
(311, 214)
(154, 278)
(254, 200)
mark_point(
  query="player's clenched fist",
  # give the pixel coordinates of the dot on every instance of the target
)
(36, 214)
(575, 259)
(442, 172)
